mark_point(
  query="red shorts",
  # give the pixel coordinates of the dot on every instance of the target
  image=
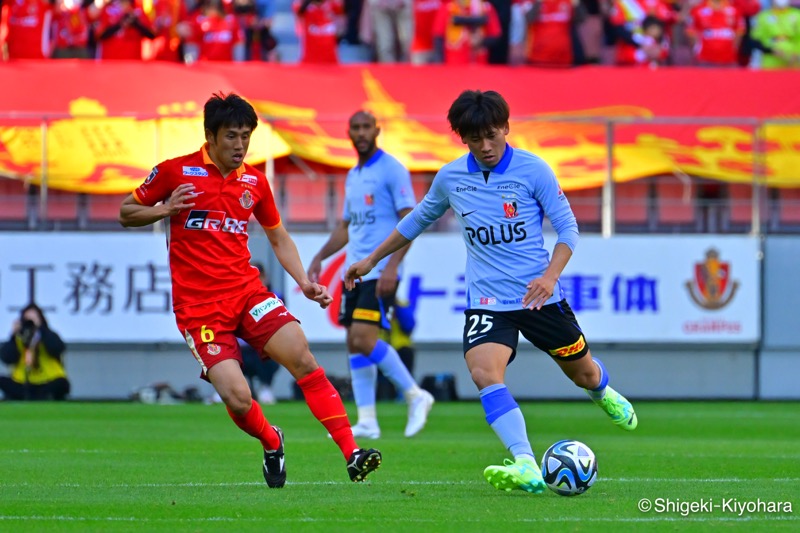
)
(211, 329)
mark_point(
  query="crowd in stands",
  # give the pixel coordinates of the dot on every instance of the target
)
(549, 33)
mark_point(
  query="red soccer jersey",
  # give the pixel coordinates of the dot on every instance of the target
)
(71, 27)
(216, 35)
(208, 254)
(317, 28)
(29, 26)
(717, 30)
(549, 41)
(458, 39)
(126, 43)
(424, 18)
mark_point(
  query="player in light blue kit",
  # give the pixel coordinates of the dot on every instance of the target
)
(500, 196)
(378, 194)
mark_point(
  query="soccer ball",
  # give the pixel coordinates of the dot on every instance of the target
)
(569, 467)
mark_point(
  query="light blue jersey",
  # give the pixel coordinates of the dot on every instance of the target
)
(374, 193)
(500, 211)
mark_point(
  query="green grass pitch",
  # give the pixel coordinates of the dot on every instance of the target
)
(131, 467)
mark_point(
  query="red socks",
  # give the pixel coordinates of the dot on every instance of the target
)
(255, 424)
(327, 407)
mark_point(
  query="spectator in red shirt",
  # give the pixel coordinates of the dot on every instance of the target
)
(122, 27)
(167, 19)
(422, 47)
(317, 30)
(70, 31)
(29, 26)
(716, 28)
(464, 30)
(215, 35)
(549, 25)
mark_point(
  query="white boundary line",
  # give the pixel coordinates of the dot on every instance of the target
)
(193, 484)
(273, 518)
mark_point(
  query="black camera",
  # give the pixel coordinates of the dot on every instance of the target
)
(27, 331)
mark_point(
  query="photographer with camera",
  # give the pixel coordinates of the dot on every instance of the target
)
(34, 354)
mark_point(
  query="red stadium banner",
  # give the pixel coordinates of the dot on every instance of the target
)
(108, 123)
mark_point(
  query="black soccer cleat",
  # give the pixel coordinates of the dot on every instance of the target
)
(274, 467)
(362, 463)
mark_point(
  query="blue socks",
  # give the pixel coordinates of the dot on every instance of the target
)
(598, 392)
(505, 418)
(364, 373)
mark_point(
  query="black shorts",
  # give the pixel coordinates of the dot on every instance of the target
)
(361, 305)
(553, 329)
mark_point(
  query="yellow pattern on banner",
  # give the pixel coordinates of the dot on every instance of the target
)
(574, 143)
(96, 154)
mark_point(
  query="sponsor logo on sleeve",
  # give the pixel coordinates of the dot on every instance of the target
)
(152, 176)
(262, 309)
(572, 349)
(195, 171)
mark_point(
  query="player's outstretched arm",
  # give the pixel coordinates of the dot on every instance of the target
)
(393, 242)
(286, 252)
(133, 214)
(338, 239)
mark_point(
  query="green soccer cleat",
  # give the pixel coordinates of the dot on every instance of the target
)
(619, 409)
(520, 474)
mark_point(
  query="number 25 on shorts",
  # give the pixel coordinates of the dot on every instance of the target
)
(206, 335)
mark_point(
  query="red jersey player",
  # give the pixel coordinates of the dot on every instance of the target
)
(209, 197)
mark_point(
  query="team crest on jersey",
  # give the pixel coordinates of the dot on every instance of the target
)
(369, 199)
(195, 171)
(510, 209)
(246, 200)
(213, 349)
(152, 176)
(247, 178)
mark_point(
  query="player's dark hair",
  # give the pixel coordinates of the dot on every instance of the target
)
(477, 112)
(228, 110)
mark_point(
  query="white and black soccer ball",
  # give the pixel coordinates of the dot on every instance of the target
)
(569, 467)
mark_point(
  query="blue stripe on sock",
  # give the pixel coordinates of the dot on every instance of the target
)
(603, 374)
(496, 402)
(379, 352)
(384, 320)
(359, 361)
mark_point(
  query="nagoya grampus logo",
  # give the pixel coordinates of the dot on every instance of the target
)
(712, 287)
(246, 200)
(510, 209)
